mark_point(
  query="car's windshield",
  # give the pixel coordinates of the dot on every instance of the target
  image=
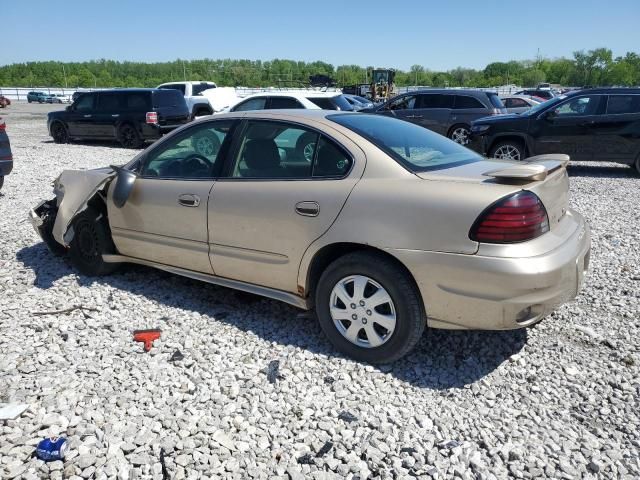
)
(415, 147)
(541, 106)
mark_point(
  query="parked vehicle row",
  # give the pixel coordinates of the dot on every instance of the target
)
(589, 124)
(335, 228)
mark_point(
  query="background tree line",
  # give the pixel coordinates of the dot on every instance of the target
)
(593, 67)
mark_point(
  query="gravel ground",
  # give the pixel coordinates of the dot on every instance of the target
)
(559, 400)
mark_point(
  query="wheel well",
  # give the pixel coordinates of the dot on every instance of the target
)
(330, 253)
(202, 109)
(512, 138)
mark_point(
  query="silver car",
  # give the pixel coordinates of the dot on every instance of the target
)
(384, 229)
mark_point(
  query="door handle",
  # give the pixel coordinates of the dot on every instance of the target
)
(115, 115)
(308, 209)
(414, 116)
(87, 116)
(189, 200)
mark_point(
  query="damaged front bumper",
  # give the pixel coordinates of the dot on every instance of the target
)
(42, 218)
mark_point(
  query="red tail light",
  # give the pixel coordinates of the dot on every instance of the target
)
(152, 118)
(3, 126)
(516, 218)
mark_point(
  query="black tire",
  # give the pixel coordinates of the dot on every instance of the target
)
(508, 150)
(460, 133)
(129, 137)
(1, 181)
(409, 310)
(59, 133)
(91, 239)
(637, 165)
(29, 101)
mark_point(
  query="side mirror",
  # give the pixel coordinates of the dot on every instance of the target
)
(123, 185)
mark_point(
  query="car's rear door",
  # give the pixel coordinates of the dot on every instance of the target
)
(165, 218)
(567, 128)
(266, 211)
(433, 111)
(616, 133)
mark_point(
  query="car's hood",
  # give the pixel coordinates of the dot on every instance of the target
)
(499, 118)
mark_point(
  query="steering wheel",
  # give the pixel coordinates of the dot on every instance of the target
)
(195, 162)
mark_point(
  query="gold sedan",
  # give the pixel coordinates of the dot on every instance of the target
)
(381, 226)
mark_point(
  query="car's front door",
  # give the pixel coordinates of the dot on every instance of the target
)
(616, 134)
(165, 217)
(567, 127)
(79, 117)
(400, 107)
(275, 200)
(108, 110)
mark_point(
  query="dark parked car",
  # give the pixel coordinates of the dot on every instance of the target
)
(595, 124)
(544, 93)
(130, 116)
(39, 97)
(448, 112)
(6, 158)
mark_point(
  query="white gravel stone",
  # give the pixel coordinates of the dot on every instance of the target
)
(559, 400)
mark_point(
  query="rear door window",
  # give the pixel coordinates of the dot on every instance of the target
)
(284, 102)
(435, 100)
(251, 104)
(621, 104)
(109, 102)
(466, 101)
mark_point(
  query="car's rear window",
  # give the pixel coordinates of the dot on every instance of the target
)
(495, 100)
(167, 98)
(332, 103)
(415, 147)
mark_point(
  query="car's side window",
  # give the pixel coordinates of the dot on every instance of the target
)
(403, 103)
(435, 100)
(192, 154)
(284, 102)
(109, 102)
(331, 160)
(621, 104)
(275, 150)
(85, 103)
(251, 104)
(465, 101)
(586, 105)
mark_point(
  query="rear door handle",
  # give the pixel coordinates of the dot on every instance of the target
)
(189, 200)
(308, 209)
(87, 116)
(115, 115)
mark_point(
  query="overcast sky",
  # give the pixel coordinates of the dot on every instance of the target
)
(439, 35)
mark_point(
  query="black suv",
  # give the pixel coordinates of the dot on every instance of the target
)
(445, 111)
(130, 116)
(593, 124)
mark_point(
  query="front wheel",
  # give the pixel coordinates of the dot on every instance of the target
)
(59, 133)
(508, 150)
(369, 308)
(91, 239)
(460, 134)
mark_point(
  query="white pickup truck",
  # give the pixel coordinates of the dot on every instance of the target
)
(192, 91)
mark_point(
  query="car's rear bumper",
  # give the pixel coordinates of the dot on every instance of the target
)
(5, 167)
(500, 293)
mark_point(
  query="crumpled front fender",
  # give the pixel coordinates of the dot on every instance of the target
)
(74, 189)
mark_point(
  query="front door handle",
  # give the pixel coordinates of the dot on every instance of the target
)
(189, 200)
(87, 116)
(414, 116)
(115, 115)
(308, 209)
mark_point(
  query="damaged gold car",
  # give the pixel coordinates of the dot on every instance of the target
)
(381, 226)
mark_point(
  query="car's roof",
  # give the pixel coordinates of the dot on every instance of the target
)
(606, 90)
(452, 91)
(191, 82)
(302, 113)
(295, 93)
(526, 97)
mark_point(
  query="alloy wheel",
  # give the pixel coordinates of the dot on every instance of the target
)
(362, 311)
(507, 152)
(127, 135)
(460, 135)
(308, 150)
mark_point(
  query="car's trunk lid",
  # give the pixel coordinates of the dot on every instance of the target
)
(544, 175)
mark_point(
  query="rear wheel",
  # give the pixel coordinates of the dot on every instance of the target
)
(59, 133)
(129, 137)
(637, 165)
(369, 308)
(460, 134)
(91, 239)
(508, 150)
(1, 181)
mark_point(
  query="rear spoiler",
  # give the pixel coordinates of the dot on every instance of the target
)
(534, 169)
